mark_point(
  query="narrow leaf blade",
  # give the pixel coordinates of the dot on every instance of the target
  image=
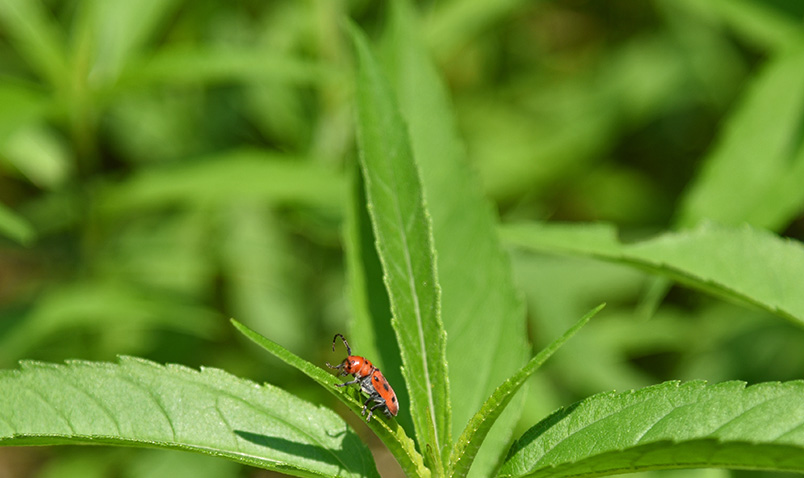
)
(734, 185)
(671, 425)
(14, 226)
(481, 309)
(404, 242)
(371, 332)
(233, 175)
(478, 427)
(33, 31)
(388, 431)
(740, 263)
(140, 403)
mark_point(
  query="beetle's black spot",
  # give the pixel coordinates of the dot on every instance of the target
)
(386, 387)
(376, 379)
(393, 399)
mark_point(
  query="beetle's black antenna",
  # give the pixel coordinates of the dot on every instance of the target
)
(348, 349)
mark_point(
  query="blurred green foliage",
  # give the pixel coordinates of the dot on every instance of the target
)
(166, 164)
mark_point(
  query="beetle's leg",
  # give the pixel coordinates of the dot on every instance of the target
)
(352, 382)
(379, 403)
(365, 407)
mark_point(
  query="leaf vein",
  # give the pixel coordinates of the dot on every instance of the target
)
(46, 402)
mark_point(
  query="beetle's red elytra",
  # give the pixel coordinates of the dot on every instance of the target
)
(371, 380)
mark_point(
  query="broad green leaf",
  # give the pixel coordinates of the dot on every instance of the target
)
(481, 309)
(404, 243)
(754, 173)
(387, 430)
(235, 175)
(140, 403)
(480, 424)
(671, 425)
(741, 263)
(14, 226)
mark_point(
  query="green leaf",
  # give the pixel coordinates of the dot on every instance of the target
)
(191, 66)
(454, 24)
(14, 226)
(371, 332)
(261, 277)
(224, 178)
(469, 442)
(20, 107)
(105, 307)
(481, 308)
(37, 37)
(394, 437)
(760, 23)
(119, 31)
(140, 403)
(39, 153)
(667, 426)
(404, 241)
(740, 263)
(755, 172)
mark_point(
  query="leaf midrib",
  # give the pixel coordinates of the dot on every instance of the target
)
(417, 305)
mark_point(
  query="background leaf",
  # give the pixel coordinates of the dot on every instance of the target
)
(404, 242)
(234, 175)
(742, 263)
(14, 226)
(38, 35)
(140, 403)
(671, 425)
(755, 171)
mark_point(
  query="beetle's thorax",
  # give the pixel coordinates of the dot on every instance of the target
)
(358, 366)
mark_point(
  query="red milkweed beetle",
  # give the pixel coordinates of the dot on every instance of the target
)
(371, 381)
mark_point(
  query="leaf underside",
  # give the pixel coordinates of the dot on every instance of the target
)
(139, 403)
(741, 263)
(671, 425)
